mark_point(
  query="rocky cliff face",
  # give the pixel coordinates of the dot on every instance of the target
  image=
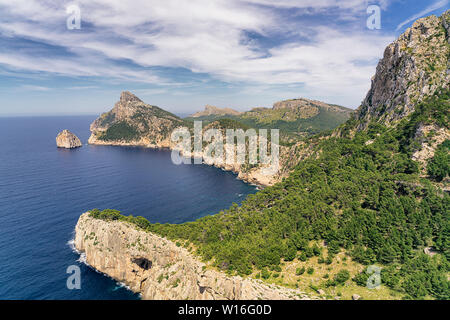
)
(68, 140)
(133, 122)
(159, 269)
(413, 68)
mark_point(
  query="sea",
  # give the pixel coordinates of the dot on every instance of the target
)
(44, 189)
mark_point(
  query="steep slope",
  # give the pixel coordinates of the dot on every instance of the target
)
(412, 69)
(133, 122)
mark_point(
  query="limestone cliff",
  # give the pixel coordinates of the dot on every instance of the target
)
(68, 140)
(413, 68)
(159, 269)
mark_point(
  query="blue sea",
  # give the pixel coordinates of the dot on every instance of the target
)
(43, 191)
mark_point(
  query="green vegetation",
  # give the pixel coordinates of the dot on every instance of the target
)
(439, 165)
(120, 131)
(300, 271)
(324, 120)
(365, 199)
(342, 277)
(293, 124)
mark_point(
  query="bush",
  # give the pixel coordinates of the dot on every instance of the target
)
(361, 279)
(265, 274)
(439, 165)
(300, 271)
(303, 257)
(107, 214)
(342, 276)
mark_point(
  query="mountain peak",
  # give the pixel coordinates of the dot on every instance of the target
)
(127, 96)
(413, 68)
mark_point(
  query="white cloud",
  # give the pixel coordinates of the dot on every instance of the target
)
(35, 88)
(202, 36)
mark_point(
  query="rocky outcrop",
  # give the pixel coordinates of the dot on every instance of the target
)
(428, 138)
(215, 111)
(159, 269)
(68, 140)
(133, 122)
(413, 68)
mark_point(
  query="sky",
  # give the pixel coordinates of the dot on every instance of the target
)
(182, 55)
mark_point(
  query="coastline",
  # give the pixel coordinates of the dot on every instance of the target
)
(253, 177)
(158, 269)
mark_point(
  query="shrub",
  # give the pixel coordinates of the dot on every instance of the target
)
(439, 165)
(342, 276)
(265, 274)
(300, 271)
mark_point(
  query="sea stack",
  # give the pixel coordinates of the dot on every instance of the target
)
(68, 140)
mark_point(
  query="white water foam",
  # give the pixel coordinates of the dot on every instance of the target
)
(82, 259)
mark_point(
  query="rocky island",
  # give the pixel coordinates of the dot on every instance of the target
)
(67, 140)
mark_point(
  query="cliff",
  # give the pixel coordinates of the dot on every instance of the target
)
(68, 140)
(159, 269)
(133, 122)
(413, 68)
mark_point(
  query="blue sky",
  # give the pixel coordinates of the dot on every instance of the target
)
(181, 55)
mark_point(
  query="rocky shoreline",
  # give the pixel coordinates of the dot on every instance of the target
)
(254, 176)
